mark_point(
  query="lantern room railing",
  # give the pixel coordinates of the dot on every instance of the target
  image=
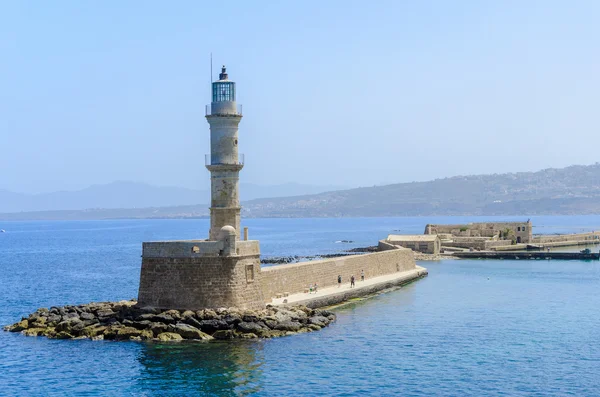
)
(223, 111)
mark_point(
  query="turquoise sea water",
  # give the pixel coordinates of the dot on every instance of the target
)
(476, 328)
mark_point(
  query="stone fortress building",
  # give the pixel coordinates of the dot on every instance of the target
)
(482, 235)
(224, 270)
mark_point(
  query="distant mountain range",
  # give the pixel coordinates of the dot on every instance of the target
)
(565, 191)
(138, 195)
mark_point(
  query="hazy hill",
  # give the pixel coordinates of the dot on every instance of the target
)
(137, 195)
(571, 190)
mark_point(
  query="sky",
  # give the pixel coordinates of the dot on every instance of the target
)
(350, 93)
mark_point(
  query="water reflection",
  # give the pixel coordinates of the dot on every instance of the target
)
(211, 369)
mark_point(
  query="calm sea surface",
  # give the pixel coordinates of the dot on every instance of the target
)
(472, 328)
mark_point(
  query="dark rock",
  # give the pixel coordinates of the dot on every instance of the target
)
(142, 324)
(163, 318)
(68, 325)
(271, 323)
(246, 327)
(69, 315)
(87, 316)
(288, 326)
(109, 321)
(91, 322)
(319, 320)
(233, 319)
(193, 322)
(224, 334)
(18, 327)
(158, 328)
(188, 332)
(105, 315)
(146, 310)
(210, 326)
(53, 319)
(143, 317)
(63, 335)
(248, 318)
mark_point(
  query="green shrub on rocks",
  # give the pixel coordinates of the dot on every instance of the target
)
(126, 321)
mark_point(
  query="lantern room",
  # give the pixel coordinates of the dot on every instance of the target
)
(223, 90)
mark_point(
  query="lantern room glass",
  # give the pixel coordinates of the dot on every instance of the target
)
(223, 91)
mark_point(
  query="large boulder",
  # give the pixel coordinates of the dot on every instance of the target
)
(141, 324)
(224, 334)
(63, 335)
(87, 316)
(211, 326)
(158, 328)
(34, 331)
(169, 337)
(321, 321)
(192, 321)
(53, 319)
(72, 324)
(163, 318)
(188, 332)
(93, 330)
(18, 327)
(127, 332)
(246, 327)
(293, 326)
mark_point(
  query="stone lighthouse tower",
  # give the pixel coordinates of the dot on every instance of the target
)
(224, 162)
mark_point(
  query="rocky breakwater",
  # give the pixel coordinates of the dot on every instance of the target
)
(126, 321)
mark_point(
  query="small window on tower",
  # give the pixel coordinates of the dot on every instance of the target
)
(250, 273)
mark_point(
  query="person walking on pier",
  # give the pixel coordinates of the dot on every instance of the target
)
(352, 281)
(339, 281)
(362, 275)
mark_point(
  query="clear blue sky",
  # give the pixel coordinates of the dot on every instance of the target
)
(351, 93)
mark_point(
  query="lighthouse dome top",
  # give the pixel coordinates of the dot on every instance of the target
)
(223, 75)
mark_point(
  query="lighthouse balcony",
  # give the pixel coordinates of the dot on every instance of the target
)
(209, 160)
(224, 109)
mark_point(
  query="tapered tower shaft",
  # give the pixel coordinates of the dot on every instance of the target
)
(224, 162)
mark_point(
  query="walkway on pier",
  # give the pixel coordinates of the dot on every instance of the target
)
(331, 295)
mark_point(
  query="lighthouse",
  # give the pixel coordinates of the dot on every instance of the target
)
(224, 162)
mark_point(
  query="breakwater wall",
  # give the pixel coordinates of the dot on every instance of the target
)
(294, 278)
(527, 255)
(591, 237)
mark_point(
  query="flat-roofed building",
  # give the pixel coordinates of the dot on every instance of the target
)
(427, 244)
